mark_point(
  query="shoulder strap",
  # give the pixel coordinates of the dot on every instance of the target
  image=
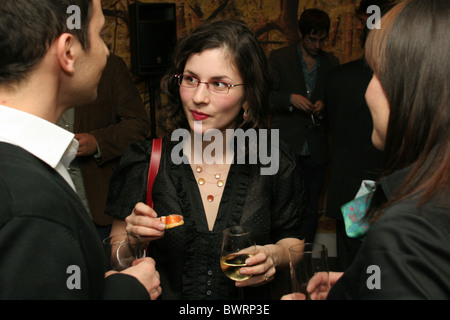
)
(155, 159)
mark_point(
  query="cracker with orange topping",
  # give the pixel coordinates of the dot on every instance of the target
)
(172, 221)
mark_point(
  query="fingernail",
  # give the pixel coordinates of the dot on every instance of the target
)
(162, 226)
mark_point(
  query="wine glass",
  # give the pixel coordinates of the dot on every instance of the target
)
(309, 260)
(237, 246)
(121, 250)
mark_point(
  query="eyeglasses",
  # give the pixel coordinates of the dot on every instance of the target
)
(192, 82)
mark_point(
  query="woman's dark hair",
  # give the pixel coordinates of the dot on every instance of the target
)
(409, 55)
(27, 29)
(239, 41)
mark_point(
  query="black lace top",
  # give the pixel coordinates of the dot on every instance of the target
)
(187, 257)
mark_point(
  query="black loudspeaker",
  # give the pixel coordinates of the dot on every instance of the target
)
(153, 35)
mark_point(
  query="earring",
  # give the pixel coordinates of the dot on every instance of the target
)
(245, 115)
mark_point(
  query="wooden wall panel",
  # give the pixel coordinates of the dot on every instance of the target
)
(274, 21)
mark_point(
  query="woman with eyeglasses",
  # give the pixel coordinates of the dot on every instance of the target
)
(219, 81)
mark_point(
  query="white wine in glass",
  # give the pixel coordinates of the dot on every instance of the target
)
(232, 263)
(237, 246)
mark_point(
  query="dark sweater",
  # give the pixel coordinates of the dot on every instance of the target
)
(44, 231)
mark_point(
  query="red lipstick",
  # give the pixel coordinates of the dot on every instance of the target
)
(199, 115)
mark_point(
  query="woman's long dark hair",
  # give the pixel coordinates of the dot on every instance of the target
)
(242, 45)
(410, 56)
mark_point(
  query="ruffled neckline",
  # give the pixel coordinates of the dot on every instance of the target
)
(231, 205)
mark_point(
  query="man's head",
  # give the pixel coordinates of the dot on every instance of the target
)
(313, 29)
(34, 35)
(27, 29)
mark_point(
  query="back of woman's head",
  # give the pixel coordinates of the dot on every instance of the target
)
(410, 56)
(239, 41)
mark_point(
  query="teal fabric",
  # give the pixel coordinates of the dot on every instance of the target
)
(354, 211)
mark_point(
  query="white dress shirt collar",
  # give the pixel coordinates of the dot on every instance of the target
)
(45, 140)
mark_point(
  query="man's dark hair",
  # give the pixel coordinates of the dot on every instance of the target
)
(314, 21)
(27, 29)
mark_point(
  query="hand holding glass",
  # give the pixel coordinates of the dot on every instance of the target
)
(309, 261)
(237, 246)
(121, 250)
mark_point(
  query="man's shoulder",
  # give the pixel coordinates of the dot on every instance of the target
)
(328, 57)
(353, 70)
(22, 172)
(11, 154)
(284, 51)
(30, 189)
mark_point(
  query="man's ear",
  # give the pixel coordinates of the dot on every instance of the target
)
(67, 47)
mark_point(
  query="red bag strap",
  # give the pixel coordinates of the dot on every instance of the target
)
(155, 159)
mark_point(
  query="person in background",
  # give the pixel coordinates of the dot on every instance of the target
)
(49, 247)
(300, 72)
(104, 128)
(220, 81)
(353, 156)
(406, 251)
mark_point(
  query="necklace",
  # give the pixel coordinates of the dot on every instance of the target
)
(218, 182)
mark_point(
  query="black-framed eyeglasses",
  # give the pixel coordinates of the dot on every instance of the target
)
(218, 86)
